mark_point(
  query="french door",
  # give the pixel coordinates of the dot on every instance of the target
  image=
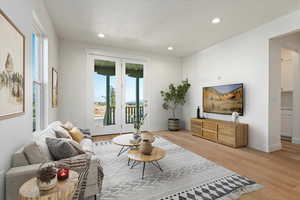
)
(118, 97)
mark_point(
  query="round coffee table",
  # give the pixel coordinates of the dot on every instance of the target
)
(63, 189)
(125, 141)
(138, 157)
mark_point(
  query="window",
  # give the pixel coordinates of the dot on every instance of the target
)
(39, 77)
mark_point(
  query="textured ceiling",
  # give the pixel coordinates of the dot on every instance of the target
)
(153, 25)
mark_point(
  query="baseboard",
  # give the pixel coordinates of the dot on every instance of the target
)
(295, 140)
(275, 147)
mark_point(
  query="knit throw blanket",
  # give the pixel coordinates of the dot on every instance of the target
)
(81, 164)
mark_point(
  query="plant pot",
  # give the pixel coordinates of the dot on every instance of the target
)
(173, 124)
(44, 186)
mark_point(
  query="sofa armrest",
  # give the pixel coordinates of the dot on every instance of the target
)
(16, 177)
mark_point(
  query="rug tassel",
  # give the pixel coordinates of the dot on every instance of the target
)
(239, 192)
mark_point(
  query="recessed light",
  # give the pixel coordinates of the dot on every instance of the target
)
(216, 20)
(101, 35)
(170, 48)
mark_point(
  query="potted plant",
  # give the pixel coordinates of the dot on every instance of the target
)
(137, 123)
(173, 97)
(46, 176)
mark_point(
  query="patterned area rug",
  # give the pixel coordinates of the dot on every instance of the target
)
(185, 176)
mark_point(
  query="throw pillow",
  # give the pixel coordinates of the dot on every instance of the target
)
(77, 146)
(60, 134)
(68, 125)
(59, 128)
(33, 154)
(61, 148)
(76, 134)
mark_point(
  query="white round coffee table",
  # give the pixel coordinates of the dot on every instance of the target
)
(125, 141)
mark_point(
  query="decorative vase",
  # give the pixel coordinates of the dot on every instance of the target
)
(44, 186)
(198, 113)
(146, 147)
(235, 117)
(173, 124)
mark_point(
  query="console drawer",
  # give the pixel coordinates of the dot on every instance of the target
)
(209, 135)
(212, 126)
(227, 140)
(196, 129)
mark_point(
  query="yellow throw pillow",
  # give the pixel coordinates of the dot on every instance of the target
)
(76, 134)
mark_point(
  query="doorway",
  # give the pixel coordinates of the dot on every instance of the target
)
(118, 94)
(284, 90)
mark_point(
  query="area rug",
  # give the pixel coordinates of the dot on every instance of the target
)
(185, 176)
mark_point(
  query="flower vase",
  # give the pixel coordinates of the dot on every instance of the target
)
(146, 147)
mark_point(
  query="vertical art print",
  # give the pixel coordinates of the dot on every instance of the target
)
(12, 69)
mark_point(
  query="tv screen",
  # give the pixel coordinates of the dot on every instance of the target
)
(223, 99)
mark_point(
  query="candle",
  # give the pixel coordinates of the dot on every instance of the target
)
(62, 174)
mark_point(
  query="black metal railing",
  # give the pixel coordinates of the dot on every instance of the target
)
(131, 111)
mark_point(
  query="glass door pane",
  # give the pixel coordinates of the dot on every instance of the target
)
(105, 93)
(133, 94)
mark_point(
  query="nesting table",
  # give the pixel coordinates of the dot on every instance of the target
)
(137, 157)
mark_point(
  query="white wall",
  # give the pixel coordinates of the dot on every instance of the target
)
(244, 58)
(162, 70)
(17, 131)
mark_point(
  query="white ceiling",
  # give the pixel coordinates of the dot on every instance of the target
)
(153, 25)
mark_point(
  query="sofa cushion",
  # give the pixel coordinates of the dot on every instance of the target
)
(59, 128)
(19, 159)
(33, 154)
(61, 148)
(87, 145)
(60, 134)
(76, 134)
(40, 139)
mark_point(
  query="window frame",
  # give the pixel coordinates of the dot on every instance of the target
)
(42, 77)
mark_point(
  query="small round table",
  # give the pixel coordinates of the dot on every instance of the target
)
(125, 141)
(138, 157)
(63, 189)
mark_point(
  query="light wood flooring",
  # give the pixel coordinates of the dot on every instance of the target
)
(279, 172)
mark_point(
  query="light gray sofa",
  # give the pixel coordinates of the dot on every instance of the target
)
(21, 170)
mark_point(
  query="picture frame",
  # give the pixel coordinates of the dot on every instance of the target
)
(12, 69)
(54, 88)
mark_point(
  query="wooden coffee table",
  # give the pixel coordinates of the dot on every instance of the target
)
(156, 155)
(63, 189)
(125, 141)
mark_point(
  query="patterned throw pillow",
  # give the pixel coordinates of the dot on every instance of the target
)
(61, 148)
(76, 134)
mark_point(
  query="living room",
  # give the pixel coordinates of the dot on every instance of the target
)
(106, 67)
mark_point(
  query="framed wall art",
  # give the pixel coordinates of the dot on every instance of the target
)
(54, 88)
(12, 69)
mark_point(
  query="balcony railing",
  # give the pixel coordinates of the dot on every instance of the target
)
(131, 111)
(110, 115)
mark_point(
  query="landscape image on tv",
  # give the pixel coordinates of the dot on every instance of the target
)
(223, 99)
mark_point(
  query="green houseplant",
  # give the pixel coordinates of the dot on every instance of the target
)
(173, 97)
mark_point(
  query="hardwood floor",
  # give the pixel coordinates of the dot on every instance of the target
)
(279, 172)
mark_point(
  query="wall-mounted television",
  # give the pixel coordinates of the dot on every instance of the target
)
(224, 99)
